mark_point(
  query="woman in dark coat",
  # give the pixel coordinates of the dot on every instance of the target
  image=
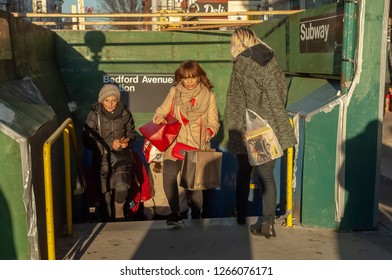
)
(110, 127)
(256, 83)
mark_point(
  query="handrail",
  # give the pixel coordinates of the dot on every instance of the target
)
(168, 22)
(66, 128)
(289, 185)
(170, 18)
(148, 15)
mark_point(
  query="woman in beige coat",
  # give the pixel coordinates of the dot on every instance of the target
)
(192, 102)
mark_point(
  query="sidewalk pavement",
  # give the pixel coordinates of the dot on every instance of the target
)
(223, 239)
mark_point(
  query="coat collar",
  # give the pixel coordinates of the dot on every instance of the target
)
(258, 53)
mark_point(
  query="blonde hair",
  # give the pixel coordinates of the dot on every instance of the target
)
(242, 39)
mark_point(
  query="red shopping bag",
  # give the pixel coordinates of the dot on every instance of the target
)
(179, 150)
(161, 135)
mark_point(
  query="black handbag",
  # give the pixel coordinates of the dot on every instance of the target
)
(121, 157)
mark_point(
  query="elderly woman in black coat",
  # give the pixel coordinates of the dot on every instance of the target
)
(109, 131)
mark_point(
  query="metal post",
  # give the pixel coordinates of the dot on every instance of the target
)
(81, 11)
(289, 186)
(49, 201)
(154, 9)
(349, 41)
(68, 188)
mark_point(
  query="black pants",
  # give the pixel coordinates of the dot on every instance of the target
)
(171, 169)
(115, 186)
(265, 173)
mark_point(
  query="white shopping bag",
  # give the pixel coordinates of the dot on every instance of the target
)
(261, 142)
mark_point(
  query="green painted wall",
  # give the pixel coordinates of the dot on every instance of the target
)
(363, 130)
(33, 56)
(318, 187)
(84, 57)
(283, 35)
(315, 176)
(13, 229)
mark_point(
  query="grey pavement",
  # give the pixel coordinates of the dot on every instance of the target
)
(223, 239)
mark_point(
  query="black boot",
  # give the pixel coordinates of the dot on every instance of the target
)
(241, 220)
(265, 229)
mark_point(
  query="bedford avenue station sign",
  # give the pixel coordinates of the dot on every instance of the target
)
(145, 92)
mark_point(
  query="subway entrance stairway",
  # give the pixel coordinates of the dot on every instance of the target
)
(223, 239)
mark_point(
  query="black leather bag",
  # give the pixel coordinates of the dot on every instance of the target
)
(121, 157)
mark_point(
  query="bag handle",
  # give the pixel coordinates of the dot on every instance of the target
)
(201, 131)
(253, 120)
(201, 144)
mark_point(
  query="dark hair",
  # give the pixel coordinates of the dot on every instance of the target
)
(191, 69)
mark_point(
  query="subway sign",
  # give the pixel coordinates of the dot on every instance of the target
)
(142, 93)
(321, 34)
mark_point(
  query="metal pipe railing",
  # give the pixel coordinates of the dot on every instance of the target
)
(349, 44)
(66, 129)
(151, 15)
(169, 18)
(289, 185)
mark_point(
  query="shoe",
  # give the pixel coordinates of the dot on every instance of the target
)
(196, 215)
(241, 220)
(173, 220)
(255, 229)
(266, 229)
(184, 215)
